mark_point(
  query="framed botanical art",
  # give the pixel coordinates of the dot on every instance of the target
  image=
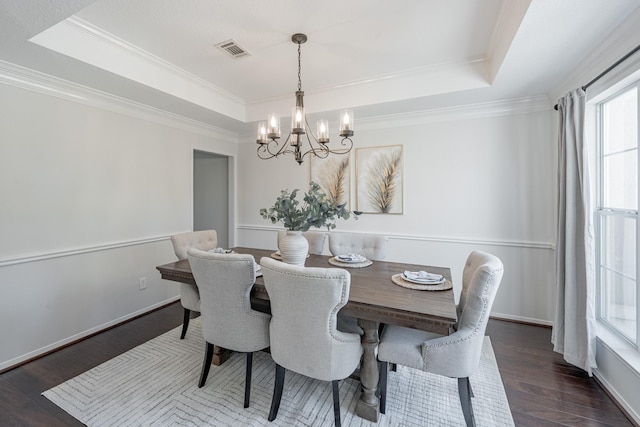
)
(379, 186)
(333, 174)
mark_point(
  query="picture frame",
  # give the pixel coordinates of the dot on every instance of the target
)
(333, 174)
(379, 179)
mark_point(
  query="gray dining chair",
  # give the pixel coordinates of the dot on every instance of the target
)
(456, 355)
(371, 246)
(304, 337)
(228, 321)
(189, 295)
(316, 239)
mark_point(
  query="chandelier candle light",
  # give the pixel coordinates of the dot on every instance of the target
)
(269, 130)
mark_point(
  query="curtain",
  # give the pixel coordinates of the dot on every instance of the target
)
(573, 332)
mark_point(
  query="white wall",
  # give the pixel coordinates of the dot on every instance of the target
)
(91, 188)
(479, 177)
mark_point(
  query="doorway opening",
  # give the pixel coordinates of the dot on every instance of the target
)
(211, 194)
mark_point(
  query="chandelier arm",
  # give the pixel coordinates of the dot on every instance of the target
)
(265, 153)
(310, 133)
(273, 143)
(347, 146)
(265, 148)
(314, 152)
(320, 151)
(324, 148)
(261, 150)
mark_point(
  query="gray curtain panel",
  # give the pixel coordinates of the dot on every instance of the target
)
(574, 324)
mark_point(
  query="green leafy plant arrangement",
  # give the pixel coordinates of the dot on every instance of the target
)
(315, 211)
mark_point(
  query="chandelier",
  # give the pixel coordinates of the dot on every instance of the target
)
(301, 134)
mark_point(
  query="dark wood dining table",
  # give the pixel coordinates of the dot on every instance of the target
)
(373, 299)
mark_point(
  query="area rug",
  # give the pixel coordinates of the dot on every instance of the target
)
(155, 384)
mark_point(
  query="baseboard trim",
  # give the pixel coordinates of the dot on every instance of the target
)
(619, 401)
(41, 352)
(522, 320)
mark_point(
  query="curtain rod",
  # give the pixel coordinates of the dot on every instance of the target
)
(605, 72)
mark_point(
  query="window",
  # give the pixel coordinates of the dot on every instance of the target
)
(617, 214)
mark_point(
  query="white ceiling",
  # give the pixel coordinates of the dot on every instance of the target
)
(376, 56)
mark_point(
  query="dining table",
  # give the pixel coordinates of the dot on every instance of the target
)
(374, 299)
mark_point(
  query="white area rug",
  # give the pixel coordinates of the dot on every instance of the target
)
(155, 384)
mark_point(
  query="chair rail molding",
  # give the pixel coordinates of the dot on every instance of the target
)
(81, 250)
(425, 238)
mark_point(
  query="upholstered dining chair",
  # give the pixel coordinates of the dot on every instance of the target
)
(225, 282)
(304, 337)
(316, 240)
(189, 295)
(371, 246)
(456, 355)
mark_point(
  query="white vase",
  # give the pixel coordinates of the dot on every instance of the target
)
(294, 248)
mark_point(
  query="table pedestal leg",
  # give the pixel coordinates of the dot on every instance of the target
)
(220, 355)
(368, 405)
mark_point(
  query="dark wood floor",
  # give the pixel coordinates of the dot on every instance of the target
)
(542, 389)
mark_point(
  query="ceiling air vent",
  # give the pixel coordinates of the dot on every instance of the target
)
(232, 48)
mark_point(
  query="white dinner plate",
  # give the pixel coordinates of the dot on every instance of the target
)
(424, 282)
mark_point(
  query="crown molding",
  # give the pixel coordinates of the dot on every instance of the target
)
(622, 40)
(101, 49)
(506, 107)
(480, 110)
(89, 29)
(418, 82)
(35, 81)
(427, 70)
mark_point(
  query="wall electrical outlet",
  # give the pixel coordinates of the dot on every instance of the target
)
(143, 283)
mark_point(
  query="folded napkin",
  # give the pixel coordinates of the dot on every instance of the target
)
(423, 276)
(221, 251)
(351, 258)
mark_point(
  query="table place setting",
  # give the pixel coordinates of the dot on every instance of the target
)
(257, 267)
(277, 255)
(350, 260)
(421, 280)
(222, 251)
